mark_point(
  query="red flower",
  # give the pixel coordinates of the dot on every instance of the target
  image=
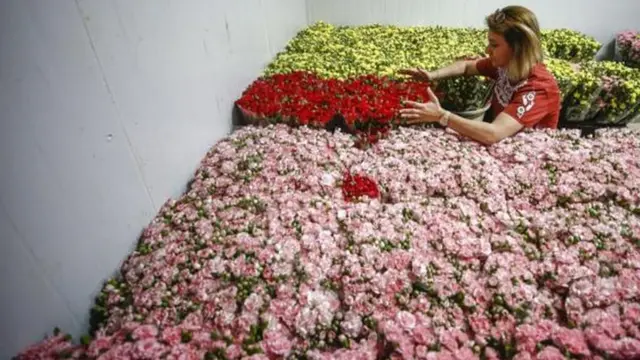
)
(356, 186)
(368, 103)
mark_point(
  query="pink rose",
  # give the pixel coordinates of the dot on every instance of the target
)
(183, 352)
(611, 327)
(444, 355)
(601, 341)
(406, 348)
(392, 331)
(421, 352)
(399, 260)
(352, 324)
(279, 308)
(121, 351)
(571, 340)
(419, 267)
(245, 321)
(258, 357)
(192, 322)
(172, 336)
(253, 303)
(99, 344)
(460, 336)
(234, 351)
(629, 348)
(550, 353)
(448, 340)
(228, 167)
(632, 312)
(523, 355)
(504, 327)
(491, 354)
(480, 324)
(276, 343)
(464, 353)
(423, 335)
(149, 348)
(201, 338)
(406, 320)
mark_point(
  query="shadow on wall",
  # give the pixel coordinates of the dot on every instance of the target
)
(236, 119)
(607, 52)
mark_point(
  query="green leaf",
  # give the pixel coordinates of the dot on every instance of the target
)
(85, 340)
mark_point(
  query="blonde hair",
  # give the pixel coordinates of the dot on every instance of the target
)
(520, 29)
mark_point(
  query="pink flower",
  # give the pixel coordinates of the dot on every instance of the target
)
(234, 351)
(149, 348)
(448, 340)
(601, 342)
(119, 351)
(399, 260)
(352, 324)
(183, 352)
(253, 303)
(406, 348)
(99, 344)
(171, 336)
(392, 331)
(572, 340)
(523, 356)
(480, 325)
(629, 348)
(464, 354)
(406, 320)
(421, 352)
(491, 354)
(550, 353)
(440, 355)
(423, 335)
(258, 357)
(277, 343)
(632, 312)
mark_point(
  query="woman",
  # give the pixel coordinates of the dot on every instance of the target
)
(525, 93)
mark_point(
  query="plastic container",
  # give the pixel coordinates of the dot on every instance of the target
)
(475, 115)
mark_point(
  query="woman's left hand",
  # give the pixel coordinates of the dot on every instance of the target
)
(419, 113)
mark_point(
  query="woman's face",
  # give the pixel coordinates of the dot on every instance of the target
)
(498, 50)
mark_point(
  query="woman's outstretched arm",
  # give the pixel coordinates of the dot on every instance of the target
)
(485, 133)
(458, 68)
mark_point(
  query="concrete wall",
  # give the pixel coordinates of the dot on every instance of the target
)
(597, 18)
(106, 108)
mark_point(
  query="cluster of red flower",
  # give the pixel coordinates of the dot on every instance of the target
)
(356, 186)
(367, 104)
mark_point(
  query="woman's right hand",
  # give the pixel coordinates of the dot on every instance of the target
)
(417, 74)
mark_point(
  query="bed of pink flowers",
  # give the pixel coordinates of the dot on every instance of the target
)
(529, 249)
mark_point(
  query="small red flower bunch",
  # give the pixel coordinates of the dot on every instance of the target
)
(356, 186)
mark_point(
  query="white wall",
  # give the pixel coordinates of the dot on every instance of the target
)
(106, 108)
(601, 19)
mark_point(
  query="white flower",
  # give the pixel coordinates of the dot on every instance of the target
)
(328, 179)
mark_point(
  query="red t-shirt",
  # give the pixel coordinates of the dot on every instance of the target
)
(534, 102)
